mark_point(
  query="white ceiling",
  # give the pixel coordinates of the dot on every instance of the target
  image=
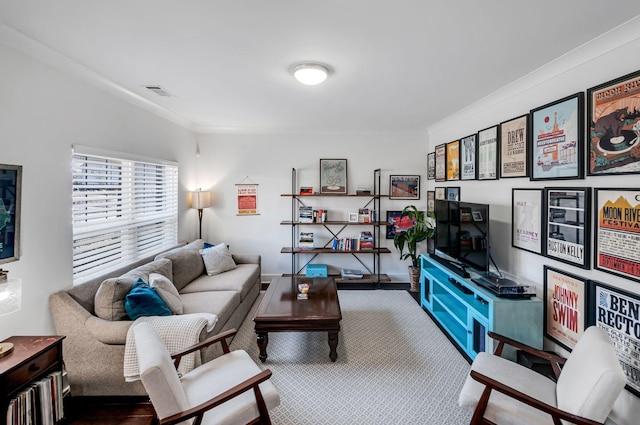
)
(398, 66)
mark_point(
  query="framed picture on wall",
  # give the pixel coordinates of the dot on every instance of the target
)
(392, 217)
(431, 166)
(565, 306)
(568, 225)
(617, 232)
(441, 164)
(431, 201)
(404, 187)
(10, 209)
(468, 147)
(488, 153)
(557, 139)
(526, 219)
(333, 176)
(610, 307)
(614, 126)
(453, 160)
(453, 194)
(514, 145)
(440, 193)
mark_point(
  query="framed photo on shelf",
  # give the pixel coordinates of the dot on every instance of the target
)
(392, 217)
(567, 225)
(453, 160)
(514, 144)
(468, 147)
(440, 193)
(431, 166)
(526, 219)
(617, 233)
(488, 153)
(353, 217)
(557, 139)
(333, 176)
(431, 201)
(453, 194)
(10, 210)
(404, 187)
(441, 163)
(565, 306)
(608, 307)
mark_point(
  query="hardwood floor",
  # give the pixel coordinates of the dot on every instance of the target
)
(109, 411)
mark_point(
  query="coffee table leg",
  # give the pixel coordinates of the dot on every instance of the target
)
(263, 340)
(333, 345)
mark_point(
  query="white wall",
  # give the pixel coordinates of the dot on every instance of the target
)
(42, 113)
(611, 56)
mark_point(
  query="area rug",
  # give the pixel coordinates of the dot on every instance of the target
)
(394, 366)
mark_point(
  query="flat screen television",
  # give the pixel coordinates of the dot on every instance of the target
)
(462, 236)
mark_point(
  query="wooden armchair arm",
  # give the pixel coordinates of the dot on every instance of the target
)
(491, 384)
(555, 360)
(198, 412)
(221, 337)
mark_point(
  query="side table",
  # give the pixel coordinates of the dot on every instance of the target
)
(34, 359)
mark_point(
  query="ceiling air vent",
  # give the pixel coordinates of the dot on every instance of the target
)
(160, 91)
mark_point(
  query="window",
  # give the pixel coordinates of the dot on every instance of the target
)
(125, 208)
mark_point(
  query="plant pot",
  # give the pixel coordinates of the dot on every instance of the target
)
(414, 279)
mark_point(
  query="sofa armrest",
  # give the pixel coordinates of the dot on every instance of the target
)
(246, 258)
(108, 332)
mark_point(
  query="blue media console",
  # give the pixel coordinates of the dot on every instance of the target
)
(467, 311)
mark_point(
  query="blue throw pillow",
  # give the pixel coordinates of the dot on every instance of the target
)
(143, 300)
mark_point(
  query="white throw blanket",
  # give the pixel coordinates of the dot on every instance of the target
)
(177, 332)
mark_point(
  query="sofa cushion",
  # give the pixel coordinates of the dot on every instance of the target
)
(186, 262)
(241, 279)
(217, 259)
(221, 303)
(143, 300)
(167, 291)
(109, 298)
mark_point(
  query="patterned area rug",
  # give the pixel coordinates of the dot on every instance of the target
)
(394, 366)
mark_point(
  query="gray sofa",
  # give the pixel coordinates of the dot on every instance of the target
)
(94, 347)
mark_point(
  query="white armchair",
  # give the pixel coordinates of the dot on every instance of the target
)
(503, 392)
(230, 389)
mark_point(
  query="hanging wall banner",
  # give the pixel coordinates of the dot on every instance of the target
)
(247, 199)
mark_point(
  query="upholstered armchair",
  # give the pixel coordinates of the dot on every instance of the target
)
(501, 391)
(230, 389)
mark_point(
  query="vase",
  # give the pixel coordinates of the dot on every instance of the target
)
(414, 279)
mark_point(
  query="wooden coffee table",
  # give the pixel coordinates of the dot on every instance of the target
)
(281, 311)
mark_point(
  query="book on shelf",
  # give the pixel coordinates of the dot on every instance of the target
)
(366, 241)
(305, 214)
(351, 274)
(319, 216)
(306, 240)
(364, 215)
(305, 190)
(363, 190)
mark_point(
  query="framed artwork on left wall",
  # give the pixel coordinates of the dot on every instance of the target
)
(10, 205)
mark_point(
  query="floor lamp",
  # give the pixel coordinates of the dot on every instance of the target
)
(199, 201)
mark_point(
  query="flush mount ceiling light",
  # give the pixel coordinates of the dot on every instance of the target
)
(310, 73)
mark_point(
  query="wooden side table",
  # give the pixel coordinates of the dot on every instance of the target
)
(32, 358)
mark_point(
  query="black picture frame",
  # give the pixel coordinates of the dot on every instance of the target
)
(617, 236)
(612, 114)
(557, 139)
(10, 212)
(565, 299)
(440, 193)
(527, 206)
(488, 153)
(431, 166)
(608, 305)
(391, 230)
(469, 157)
(333, 176)
(441, 163)
(453, 193)
(453, 160)
(404, 187)
(567, 219)
(431, 201)
(514, 147)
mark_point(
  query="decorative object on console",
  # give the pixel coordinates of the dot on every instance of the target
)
(404, 187)
(565, 307)
(617, 236)
(614, 126)
(488, 153)
(514, 147)
(10, 205)
(10, 301)
(526, 219)
(415, 226)
(199, 201)
(468, 150)
(557, 132)
(333, 176)
(453, 160)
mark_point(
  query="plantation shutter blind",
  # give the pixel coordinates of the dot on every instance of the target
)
(124, 208)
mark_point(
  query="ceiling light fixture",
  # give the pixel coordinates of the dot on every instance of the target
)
(310, 73)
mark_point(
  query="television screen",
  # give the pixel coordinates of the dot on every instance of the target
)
(462, 233)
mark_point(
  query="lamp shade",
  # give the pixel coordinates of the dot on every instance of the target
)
(10, 296)
(200, 199)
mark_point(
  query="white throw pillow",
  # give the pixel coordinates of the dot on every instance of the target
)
(217, 259)
(167, 291)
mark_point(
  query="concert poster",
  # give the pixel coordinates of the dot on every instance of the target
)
(488, 153)
(565, 307)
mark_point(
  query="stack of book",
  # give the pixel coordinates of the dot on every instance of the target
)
(351, 274)
(306, 240)
(305, 214)
(364, 215)
(366, 241)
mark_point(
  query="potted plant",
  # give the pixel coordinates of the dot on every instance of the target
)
(413, 226)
